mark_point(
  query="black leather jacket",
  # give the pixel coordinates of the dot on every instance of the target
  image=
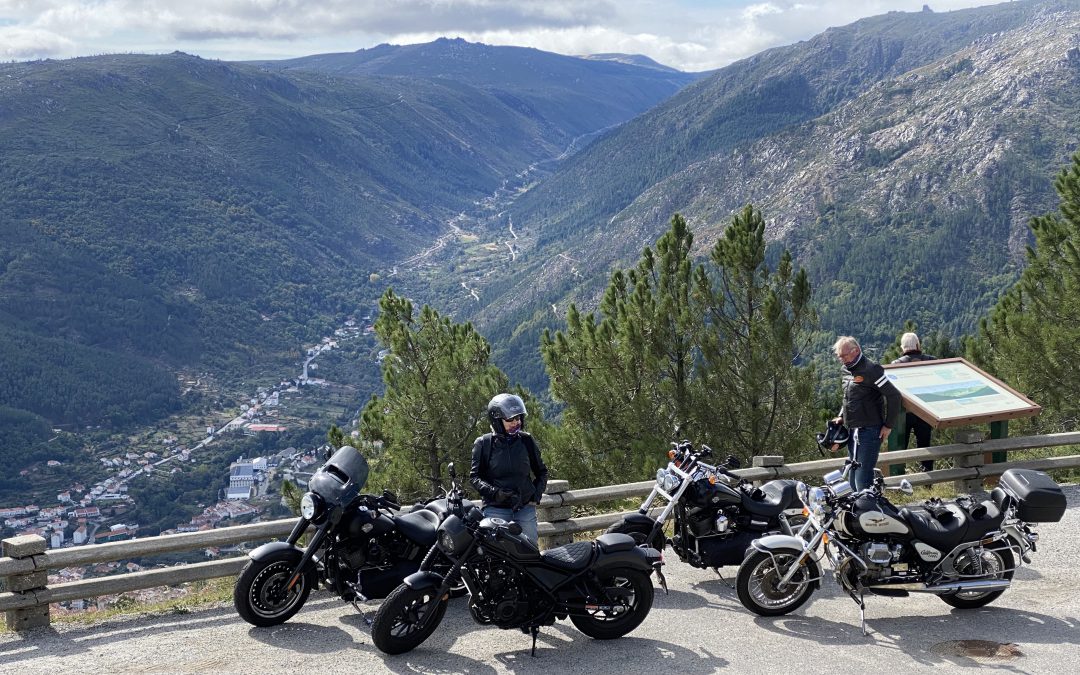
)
(870, 399)
(508, 463)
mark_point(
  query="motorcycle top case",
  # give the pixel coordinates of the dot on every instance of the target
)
(1038, 497)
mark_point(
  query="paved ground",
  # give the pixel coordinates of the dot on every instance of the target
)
(699, 627)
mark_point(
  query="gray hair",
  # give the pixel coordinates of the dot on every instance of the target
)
(845, 341)
(909, 342)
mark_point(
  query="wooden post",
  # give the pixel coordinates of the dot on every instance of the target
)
(766, 461)
(898, 440)
(969, 485)
(26, 546)
(554, 511)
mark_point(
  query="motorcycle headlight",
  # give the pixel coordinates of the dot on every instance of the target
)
(671, 482)
(815, 497)
(661, 474)
(311, 506)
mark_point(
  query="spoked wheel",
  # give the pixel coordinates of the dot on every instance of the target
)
(406, 618)
(628, 597)
(992, 563)
(758, 583)
(640, 532)
(261, 594)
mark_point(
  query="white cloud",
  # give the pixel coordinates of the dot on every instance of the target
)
(689, 34)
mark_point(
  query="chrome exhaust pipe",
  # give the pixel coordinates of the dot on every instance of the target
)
(977, 585)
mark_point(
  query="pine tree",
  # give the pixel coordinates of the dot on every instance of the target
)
(1030, 338)
(438, 382)
(759, 323)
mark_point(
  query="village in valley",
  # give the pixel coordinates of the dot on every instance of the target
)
(95, 513)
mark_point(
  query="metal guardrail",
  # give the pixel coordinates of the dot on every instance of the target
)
(26, 560)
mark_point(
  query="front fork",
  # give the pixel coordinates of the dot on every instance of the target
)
(309, 552)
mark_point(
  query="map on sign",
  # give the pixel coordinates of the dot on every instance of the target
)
(952, 392)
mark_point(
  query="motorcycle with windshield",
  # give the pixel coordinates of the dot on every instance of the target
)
(361, 548)
(603, 586)
(717, 513)
(960, 550)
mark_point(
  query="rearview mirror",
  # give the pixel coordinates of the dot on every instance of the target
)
(905, 487)
(450, 470)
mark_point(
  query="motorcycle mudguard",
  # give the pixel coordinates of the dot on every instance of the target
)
(636, 558)
(639, 519)
(421, 581)
(265, 550)
(777, 542)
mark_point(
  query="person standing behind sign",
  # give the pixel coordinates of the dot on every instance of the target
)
(909, 342)
(871, 404)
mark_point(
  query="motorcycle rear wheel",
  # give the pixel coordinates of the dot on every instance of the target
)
(259, 594)
(406, 618)
(640, 532)
(1000, 557)
(631, 589)
(757, 583)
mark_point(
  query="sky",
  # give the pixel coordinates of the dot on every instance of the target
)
(691, 35)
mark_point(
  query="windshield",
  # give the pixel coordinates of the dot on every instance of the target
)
(342, 477)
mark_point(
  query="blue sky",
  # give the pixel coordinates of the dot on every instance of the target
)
(686, 34)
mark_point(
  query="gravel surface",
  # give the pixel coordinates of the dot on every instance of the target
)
(699, 627)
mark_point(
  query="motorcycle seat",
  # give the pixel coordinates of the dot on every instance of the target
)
(985, 518)
(771, 498)
(575, 556)
(615, 541)
(942, 531)
(418, 526)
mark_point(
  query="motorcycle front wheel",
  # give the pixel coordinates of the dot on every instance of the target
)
(406, 618)
(640, 532)
(261, 596)
(632, 591)
(994, 563)
(757, 583)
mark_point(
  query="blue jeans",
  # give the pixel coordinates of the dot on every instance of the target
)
(525, 516)
(864, 447)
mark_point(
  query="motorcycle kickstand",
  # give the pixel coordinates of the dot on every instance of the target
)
(862, 610)
(717, 570)
(534, 631)
(356, 603)
(662, 580)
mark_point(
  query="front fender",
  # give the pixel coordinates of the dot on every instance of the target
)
(778, 542)
(266, 550)
(422, 581)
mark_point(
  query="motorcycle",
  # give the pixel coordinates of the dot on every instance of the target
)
(717, 513)
(362, 546)
(962, 551)
(603, 586)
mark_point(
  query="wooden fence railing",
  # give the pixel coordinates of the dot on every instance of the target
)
(25, 563)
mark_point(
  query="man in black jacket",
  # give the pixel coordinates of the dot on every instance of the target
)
(909, 342)
(871, 404)
(506, 468)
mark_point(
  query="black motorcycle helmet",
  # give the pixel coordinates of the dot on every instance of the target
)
(504, 407)
(835, 434)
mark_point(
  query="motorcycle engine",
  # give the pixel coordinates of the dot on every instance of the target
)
(503, 599)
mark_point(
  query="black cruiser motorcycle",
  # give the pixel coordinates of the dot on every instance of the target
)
(717, 514)
(603, 586)
(361, 548)
(962, 551)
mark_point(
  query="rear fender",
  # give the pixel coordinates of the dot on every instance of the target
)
(637, 558)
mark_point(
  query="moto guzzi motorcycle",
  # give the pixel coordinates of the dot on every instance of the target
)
(717, 513)
(603, 586)
(962, 551)
(361, 547)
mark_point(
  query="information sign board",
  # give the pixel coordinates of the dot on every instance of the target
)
(953, 392)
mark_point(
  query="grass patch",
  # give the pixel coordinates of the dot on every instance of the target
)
(199, 594)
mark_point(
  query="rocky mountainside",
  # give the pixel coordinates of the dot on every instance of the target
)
(899, 158)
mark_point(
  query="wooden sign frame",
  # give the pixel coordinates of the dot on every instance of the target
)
(953, 393)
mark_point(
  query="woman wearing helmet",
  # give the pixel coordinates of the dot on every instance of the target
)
(507, 469)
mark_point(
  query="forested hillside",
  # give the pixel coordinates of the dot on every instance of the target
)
(166, 212)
